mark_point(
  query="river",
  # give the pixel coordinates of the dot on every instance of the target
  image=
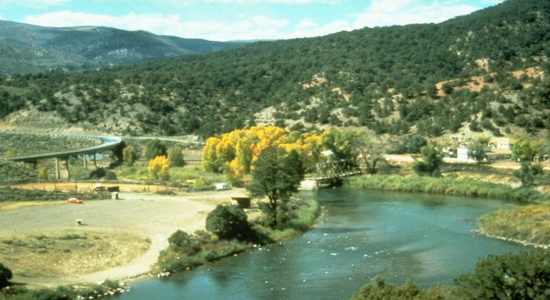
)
(427, 239)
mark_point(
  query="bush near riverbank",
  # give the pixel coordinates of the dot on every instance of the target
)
(525, 275)
(187, 251)
(451, 185)
(529, 225)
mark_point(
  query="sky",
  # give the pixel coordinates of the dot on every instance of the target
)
(232, 20)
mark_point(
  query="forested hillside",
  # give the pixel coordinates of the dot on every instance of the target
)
(486, 71)
(30, 49)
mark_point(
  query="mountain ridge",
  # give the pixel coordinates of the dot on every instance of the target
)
(29, 48)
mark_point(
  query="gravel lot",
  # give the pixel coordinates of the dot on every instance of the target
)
(149, 215)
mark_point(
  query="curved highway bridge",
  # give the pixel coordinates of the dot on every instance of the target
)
(116, 144)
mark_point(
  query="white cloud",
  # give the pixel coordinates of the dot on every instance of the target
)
(256, 27)
(132, 21)
(401, 12)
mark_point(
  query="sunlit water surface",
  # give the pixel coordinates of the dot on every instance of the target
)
(423, 238)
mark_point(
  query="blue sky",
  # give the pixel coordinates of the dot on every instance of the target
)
(224, 20)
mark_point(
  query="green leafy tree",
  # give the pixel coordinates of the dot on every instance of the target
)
(175, 157)
(130, 156)
(155, 148)
(5, 276)
(527, 172)
(523, 151)
(431, 161)
(508, 276)
(228, 222)
(476, 151)
(275, 176)
(447, 88)
(43, 173)
(381, 290)
(411, 144)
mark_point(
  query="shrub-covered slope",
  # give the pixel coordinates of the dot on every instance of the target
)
(481, 72)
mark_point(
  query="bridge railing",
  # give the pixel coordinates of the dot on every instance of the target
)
(108, 144)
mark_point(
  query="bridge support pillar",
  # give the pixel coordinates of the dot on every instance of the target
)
(85, 160)
(68, 171)
(57, 168)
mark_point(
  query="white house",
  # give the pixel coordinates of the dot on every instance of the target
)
(462, 154)
(502, 143)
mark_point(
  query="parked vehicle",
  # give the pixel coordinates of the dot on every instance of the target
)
(74, 200)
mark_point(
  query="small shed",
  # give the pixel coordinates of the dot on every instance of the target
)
(241, 201)
(222, 186)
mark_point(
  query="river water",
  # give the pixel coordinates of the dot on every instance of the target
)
(427, 239)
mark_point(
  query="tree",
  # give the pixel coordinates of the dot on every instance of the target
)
(275, 176)
(381, 290)
(527, 172)
(476, 151)
(175, 157)
(158, 168)
(129, 155)
(523, 151)
(228, 222)
(508, 276)
(155, 148)
(372, 151)
(411, 144)
(5, 276)
(447, 88)
(43, 173)
(431, 160)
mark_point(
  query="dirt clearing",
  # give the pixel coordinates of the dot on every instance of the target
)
(118, 239)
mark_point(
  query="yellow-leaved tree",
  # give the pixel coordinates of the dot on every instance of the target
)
(235, 152)
(158, 168)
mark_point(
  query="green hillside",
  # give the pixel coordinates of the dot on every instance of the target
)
(30, 49)
(482, 72)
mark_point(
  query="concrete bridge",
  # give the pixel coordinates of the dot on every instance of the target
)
(115, 144)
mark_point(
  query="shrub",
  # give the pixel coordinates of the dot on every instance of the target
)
(5, 276)
(228, 222)
(509, 276)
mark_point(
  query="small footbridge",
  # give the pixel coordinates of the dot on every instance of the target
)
(331, 173)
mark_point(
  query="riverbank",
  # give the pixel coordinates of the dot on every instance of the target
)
(451, 184)
(524, 225)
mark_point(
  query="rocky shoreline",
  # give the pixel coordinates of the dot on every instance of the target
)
(511, 240)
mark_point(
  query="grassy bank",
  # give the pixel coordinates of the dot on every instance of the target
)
(201, 247)
(450, 185)
(528, 225)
